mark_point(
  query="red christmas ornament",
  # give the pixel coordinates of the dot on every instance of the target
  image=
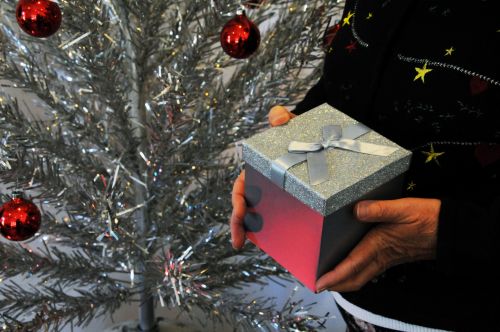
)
(240, 37)
(38, 18)
(19, 219)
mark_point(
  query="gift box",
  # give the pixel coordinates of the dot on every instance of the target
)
(302, 181)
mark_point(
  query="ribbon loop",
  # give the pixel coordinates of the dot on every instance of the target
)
(332, 132)
(301, 147)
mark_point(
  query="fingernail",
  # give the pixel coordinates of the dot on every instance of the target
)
(361, 210)
(319, 287)
(235, 247)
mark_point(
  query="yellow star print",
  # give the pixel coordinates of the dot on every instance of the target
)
(432, 155)
(449, 51)
(421, 72)
(411, 186)
(347, 18)
(370, 15)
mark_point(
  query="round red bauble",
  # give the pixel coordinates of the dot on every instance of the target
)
(19, 219)
(38, 18)
(240, 37)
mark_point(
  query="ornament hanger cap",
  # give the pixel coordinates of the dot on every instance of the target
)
(17, 194)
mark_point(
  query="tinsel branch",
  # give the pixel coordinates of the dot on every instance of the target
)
(52, 307)
(74, 268)
(38, 159)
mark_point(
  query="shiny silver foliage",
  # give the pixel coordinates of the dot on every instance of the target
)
(133, 160)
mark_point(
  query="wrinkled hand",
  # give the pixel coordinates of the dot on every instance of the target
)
(406, 232)
(278, 116)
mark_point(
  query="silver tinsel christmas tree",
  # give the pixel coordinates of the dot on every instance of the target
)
(133, 162)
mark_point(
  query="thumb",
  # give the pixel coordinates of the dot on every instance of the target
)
(381, 210)
(279, 115)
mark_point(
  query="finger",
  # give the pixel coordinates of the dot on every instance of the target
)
(239, 185)
(279, 115)
(357, 260)
(238, 214)
(237, 229)
(383, 210)
(373, 269)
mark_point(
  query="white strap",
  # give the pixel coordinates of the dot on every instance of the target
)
(378, 320)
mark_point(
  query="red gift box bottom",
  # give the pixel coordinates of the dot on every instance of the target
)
(300, 239)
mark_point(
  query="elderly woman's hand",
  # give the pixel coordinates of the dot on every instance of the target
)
(406, 232)
(278, 116)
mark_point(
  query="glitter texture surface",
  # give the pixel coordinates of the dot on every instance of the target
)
(351, 174)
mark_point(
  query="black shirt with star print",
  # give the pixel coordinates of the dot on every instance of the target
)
(426, 74)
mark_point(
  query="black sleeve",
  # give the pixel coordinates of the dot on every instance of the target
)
(314, 97)
(469, 230)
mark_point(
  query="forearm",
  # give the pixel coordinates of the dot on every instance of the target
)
(468, 236)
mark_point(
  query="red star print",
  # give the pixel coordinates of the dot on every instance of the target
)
(330, 34)
(477, 85)
(352, 46)
(487, 154)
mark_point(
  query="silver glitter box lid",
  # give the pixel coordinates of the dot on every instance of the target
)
(352, 174)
